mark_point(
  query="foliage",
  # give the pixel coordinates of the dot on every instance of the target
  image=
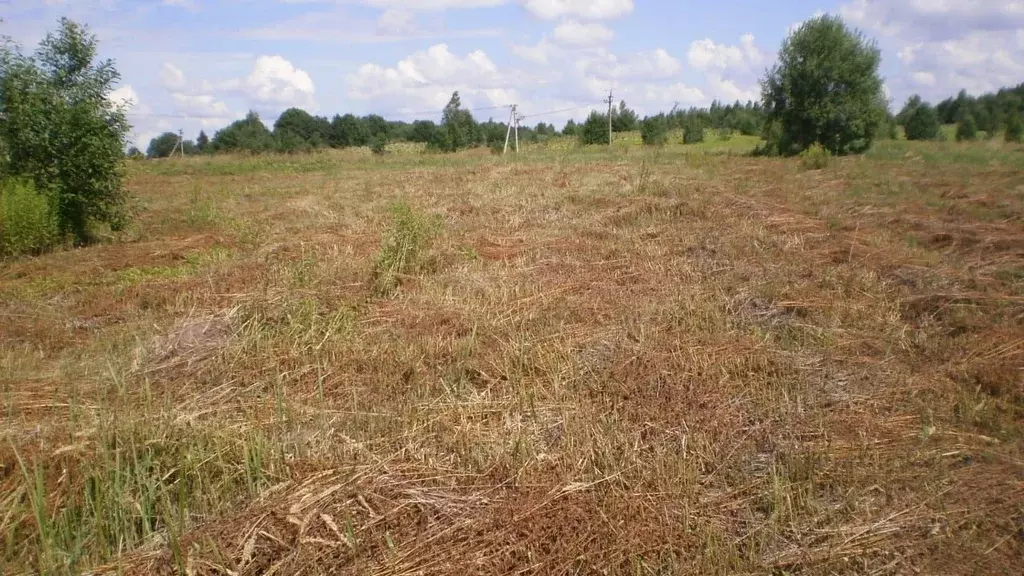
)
(162, 146)
(654, 131)
(458, 128)
(966, 128)
(623, 119)
(1014, 128)
(594, 130)
(297, 129)
(815, 157)
(825, 88)
(202, 142)
(422, 131)
(693, 132)
(920, 122)
(60, 129)
(248, 134)
(403, 247)
(570, 128)
(28, 219)
(347, 131)
(378, 146)
(135, 154)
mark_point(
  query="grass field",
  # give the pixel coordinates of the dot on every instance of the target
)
(685, 361)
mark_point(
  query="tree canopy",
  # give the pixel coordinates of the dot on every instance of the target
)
(825, 89)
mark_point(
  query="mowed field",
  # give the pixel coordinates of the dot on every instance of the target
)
(683, 361)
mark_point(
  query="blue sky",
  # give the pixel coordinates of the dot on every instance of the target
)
(198, 64)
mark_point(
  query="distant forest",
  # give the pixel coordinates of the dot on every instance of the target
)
(296, 130)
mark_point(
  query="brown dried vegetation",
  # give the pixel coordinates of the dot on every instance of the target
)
(639, 364)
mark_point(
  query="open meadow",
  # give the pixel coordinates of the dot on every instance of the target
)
(571, 361)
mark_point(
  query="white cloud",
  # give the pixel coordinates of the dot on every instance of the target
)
(276, 83)
(433, 4)
(172, 77)
(589, 9)
(942, 46)
(707, 54)
(924, 78)
(397, 22)
(574, 33)
(125, 96)
(426, 79)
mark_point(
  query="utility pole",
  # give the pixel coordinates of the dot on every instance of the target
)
(610, 100)
(518, 118)
(181, 141)
(511, 118)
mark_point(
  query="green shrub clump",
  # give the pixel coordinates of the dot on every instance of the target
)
(693, 132)
(815, 157)
(654, 131)
(28, 219)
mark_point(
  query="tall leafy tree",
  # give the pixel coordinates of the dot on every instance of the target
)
(248, 134)
(623, 119)
(422, 131)
(458, 128)
(202, 142)
(162, 146)
(825, 88)
(60, 128)
(347, 131)
(300, 127)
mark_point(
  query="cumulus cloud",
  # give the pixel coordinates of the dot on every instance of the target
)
(276, 83)
(125, 97)
(427, 79)
(171, 77)
(589, 9)
(574, 33)
(948, 45)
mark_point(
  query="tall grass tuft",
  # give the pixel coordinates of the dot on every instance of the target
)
(28, 220)
(815, 158)
(403, 247)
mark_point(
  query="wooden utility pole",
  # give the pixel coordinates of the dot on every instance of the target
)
(181, 141)
(518, 118)
(511, 119)
(610, 100)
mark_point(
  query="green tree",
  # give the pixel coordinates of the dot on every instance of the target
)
(594, 130)
(570, 128)
(458, 129)
(921, 122)
(623, 119)
(1014, 128)
(422, 131)
(60, 129)
(966, 128)
(295, 129)
(693, 131)
(654, 130)
(825, 88)
(248, 134)
(162, 146)
(202, 142)
(135, 154)
(347, 131)
(908, 109)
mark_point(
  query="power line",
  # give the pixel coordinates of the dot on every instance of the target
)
(557, 111)
(384, 115)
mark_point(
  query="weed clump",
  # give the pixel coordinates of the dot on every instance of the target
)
(403, 247)
(28, 220)
(815, 158)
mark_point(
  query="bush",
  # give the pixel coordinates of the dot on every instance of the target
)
(61, 131)
(966, 129)
(28, 219)
(378, 146)
(693, 132)
(825, 88)
(815, 158)
(594, 130)
(1014, 128)
(654, 131)
(922, 123)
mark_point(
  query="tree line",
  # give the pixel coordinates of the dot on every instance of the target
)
(1001, 111)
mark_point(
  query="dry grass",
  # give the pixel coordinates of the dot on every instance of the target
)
(639, 363)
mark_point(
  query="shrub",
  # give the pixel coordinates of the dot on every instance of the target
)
(815, 158)
(594, 130)
(693, 132)
(403, 247)
(966, 129)
(1014, 128)
(922, 122)
(825, 88)
(62, 131)
(378, 146)
(654, 131)
(28, 219)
